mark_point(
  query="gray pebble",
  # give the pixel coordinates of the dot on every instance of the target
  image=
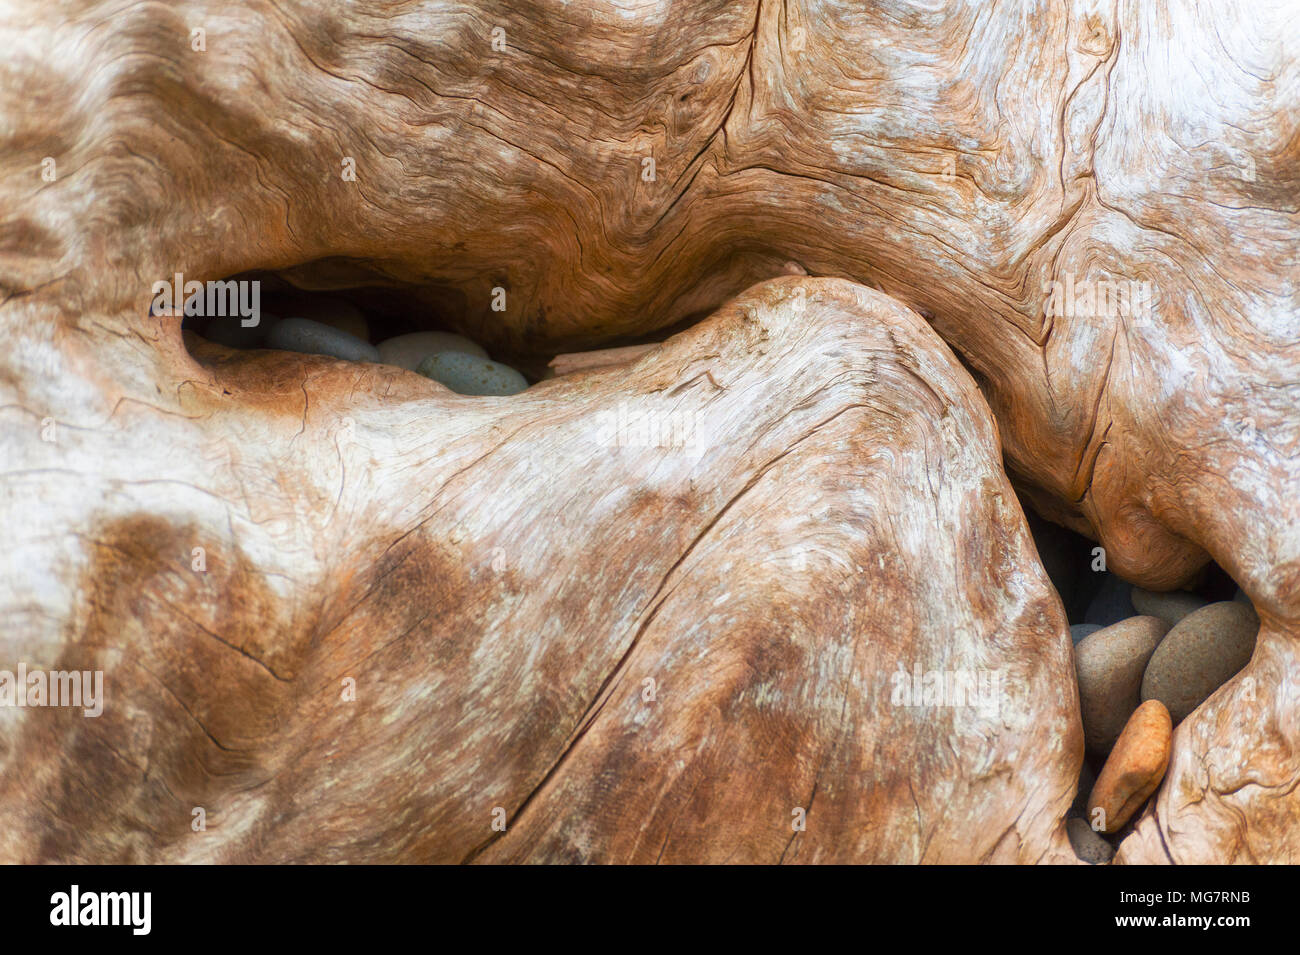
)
(1080, 630)
(1112, 603)
(1202, 652)
(313, 338)
(407, 351)
(470, 375)
(1088, 845)
(1169, 607)
(1109, 666)
(327, 310)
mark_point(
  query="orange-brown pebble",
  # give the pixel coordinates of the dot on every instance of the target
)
(1134, 769)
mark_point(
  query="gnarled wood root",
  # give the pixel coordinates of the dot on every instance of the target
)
(615, 174)
(652, 613)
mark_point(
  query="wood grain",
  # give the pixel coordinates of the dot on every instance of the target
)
(960, 157)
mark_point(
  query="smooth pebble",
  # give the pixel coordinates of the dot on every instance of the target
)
(1088, 845)
(1134, 769)
(1080, 630)
(1109, 665)
(313, 338)
(407, 351)
(1170, 606)
(1112, 603)
(470, 375)
(1202, 652)
(327, 310)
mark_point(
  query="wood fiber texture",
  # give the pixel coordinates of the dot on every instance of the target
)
(958, 157)
(767, 516)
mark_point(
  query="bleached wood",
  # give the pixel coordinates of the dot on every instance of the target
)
(960, 157)
(768, 516)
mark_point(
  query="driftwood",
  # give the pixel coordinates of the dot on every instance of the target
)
(768, 518)
(997, 168)
(600, 358)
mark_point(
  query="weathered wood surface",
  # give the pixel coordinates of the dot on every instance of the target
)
(960, 157)
(768, 516)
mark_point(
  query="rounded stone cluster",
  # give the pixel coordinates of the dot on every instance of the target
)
(1144, 661)
(333, 327)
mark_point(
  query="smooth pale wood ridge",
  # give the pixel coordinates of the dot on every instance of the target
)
(501, 576)
(960, 157)
(567, 364)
